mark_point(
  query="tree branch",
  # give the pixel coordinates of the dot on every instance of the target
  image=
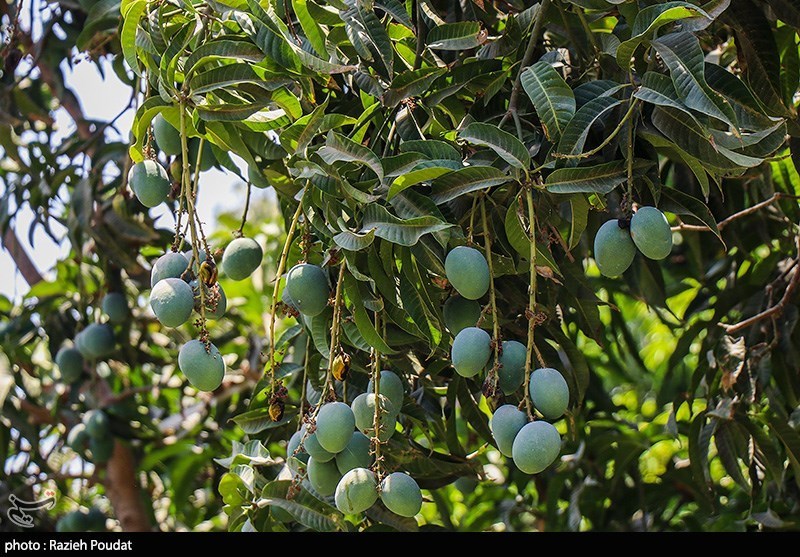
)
(743, 213)
(123, 490)
(23, 261)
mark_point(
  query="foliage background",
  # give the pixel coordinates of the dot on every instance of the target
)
(677, 424)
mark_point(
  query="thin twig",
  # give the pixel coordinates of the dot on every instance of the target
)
(743, 213)
(487, 246)
(527, 58)
(531, 313)
(606, 141)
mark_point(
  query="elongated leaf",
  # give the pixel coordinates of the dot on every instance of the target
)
(370, 38)
(551, 96)
(395, 9)
(466, 180)
(658, 89)
(675, 201)
(456, 36)
(365, 325)
(225, 76)
(579, 207)
(576, 132)
(790, 440)
(405, 232)
(127, 37)
(221, 49)
(405, 181)
(340, 148)
(685, 61)
(649, 20)
(411, 84)
(431, 149)
(310, 27)
(508, 147)
(353, 241)
(726, 449)
(304, 507)
(601, 178)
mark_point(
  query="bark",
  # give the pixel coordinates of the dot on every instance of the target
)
(122, 488)
(29, 271)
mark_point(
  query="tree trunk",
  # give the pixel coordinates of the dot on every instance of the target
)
(123, 490)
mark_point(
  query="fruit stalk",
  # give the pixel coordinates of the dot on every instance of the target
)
(278, 273)
(531, 302)
(376, 424)
(487, 245)
(187, 191)
(337, 313)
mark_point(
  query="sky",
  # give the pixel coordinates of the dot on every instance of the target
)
(102, 99)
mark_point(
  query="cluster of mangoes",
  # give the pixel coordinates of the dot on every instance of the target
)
(616, 241)
(93, 433)
(338, 455)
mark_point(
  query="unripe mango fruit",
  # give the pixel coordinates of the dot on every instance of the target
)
(78, 438)
(102, 448)
(364, 413)
(222, 300)
(116, 307)
(401, 494)
(471, 351)
(323, 476)
(549, 392)
(207, 158)
(170, 265)
(512, 359)
(172, 302)
(241, 258)
(651, 233)
(70, 364)
(467, 270)
(167, 137)
(293, 450)
(460, 313)
(357, 491)
(95, 341)
(150, 182)
(506, 423)
(315, 450)
(96, 423)
(335, 425)
(613, 249)
(204, 369)
(536, 446)
(391, 386)
(307, 286)
(356, 454)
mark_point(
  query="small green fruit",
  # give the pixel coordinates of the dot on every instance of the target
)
(357, 491)
(401, 494)
(204, 369)
(116, 307)
(172, 302)
(536, 446)
(293, 449)
(460, 313)
(96, 423)
(95, 341)
(308, 288)
(167, 137)
(169, 265)
(241, 258)
(149, 182)
(70, 364)
(221, 302)
(315, 450)
(391, 386)
(356, 454)
(613, 249)
(651, 233)
(78, 439)
(335, 425)
(102, 448)
(512, 373)
(189, 255)
(549, 392)
(471, 351)
(364, 412)
(506, 423)
(323, 476)
(467, 271)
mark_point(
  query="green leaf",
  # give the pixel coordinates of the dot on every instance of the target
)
(370, 38)
(304, 507)
(313, 32)
(675, 201)
(456, 36)
(432, 149)
(579, 209)
(508, 147)
(127, 36)
(601, 178)
(340, 148)
(659, 90)
(468, 179)
(551, 96)
(256, 421)
(576, 132)
(405, 232)
(365, 325)
(395, 9)
(353, 241)
(220, 50)
(405, 181)
(728, 454)
(411, 84)
(649, 20)
(685, 61)
(230, 74)
(790, 440)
